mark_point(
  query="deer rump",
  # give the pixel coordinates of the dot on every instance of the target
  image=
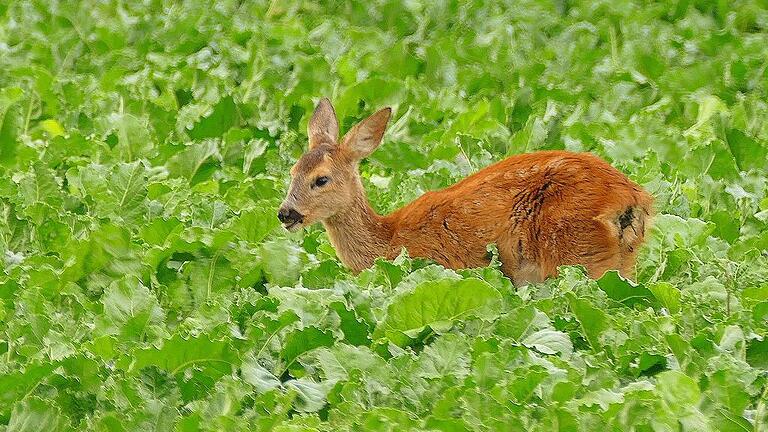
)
(543, 210)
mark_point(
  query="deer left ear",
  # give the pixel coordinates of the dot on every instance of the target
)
(366, 136)
(323, 127)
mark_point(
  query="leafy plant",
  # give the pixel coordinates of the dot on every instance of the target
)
(146, 283)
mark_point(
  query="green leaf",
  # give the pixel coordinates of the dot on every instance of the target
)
(133, 138)
(593, 321)
(283, 261)
(255, 224)
(356, 331)
(668, 295)
(708, 106)
(17, 384)
(760, 312)
(549, 342)
(437, 305)
(206, 278)
(310, 395)
(376, 92)
(300, 341)
(158, 230)
(748, 152)
(603, 398)
(178, 354)
(342, 362)
(520, 322)
(525, 382)
(757, 353)
(109, 251)
(681, 395)
(119, 193)
(10, 123)
(623, 290)
(449, 355)
(196, 162)
(40, 193)
(146, 285)
(254, 149)
(725, 421)
(131, 310)
(36, 415)
(258, 376)
(677, 388)
(52, 127)
(730, 390)
(220, 120)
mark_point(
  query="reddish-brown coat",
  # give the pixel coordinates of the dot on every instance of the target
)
(543, 209)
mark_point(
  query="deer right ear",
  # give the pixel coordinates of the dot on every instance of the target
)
(323, 127)
(363, 139)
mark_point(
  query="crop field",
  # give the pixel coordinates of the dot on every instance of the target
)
(146, 283)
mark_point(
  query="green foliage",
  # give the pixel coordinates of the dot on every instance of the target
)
(437, 305)
(145, 283)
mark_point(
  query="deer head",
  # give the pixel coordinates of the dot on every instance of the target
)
(325, 181)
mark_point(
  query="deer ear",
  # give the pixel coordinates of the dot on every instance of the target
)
(363, 139)
(323, 127)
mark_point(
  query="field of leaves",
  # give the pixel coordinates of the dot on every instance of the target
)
(146, 284)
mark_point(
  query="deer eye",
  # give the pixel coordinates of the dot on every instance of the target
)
(321, 181)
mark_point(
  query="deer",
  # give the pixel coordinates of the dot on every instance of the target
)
(542, 209)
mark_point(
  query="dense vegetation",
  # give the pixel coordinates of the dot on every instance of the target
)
(147, 285)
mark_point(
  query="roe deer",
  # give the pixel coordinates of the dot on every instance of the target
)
(542, 209)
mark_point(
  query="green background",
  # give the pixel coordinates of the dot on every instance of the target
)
(147, 285)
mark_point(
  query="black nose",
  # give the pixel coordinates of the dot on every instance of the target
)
(289, 215)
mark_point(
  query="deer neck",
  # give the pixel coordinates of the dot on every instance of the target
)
(358, 234)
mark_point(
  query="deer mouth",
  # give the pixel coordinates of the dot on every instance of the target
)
(291, 219)
(292, 226)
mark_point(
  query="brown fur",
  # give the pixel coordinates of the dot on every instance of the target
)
(542, 209)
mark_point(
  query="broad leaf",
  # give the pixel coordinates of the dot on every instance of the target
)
(437, 305)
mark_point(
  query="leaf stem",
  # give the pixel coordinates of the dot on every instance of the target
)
(29, 114)
(761, 414)
(203, 360)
